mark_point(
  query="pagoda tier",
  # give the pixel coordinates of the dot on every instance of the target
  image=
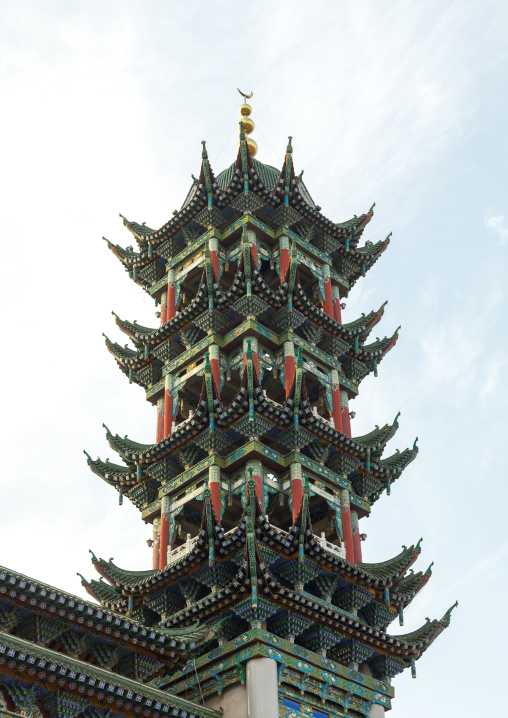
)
(279, 200)
(346, 342)
(323, 567)
(229, 430)
(254, 485)
(334, 614)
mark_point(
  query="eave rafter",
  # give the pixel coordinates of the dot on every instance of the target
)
(166, 646)
(23, 654)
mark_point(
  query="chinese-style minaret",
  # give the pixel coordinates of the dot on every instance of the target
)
(254, 485)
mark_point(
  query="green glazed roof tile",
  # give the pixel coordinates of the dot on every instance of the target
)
(391, 568)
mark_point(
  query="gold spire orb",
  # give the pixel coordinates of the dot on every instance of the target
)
(248, 124)
(252, 145)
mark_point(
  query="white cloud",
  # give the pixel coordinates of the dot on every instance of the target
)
(499, 226)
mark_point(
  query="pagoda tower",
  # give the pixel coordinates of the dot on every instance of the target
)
(254, 484)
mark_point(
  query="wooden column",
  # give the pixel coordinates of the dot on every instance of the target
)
(168, 405)
(328, 302)
(214, 363)
(346, 419)
(289, 365)
(160, 419)
(337, 412)
(214, 255)
(347, 529)
(215, 492)
(357, 542)
(171, 294)
(337, 312)
(262, 690)
(253, 249)
(164, 532)
(156, 535)
(296, 488)
(164, 307)
(284, 256)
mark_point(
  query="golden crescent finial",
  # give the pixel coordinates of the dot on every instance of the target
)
(247, 97)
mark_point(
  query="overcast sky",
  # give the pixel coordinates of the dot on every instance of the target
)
(104, 106)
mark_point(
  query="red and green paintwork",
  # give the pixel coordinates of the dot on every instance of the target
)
(255, 485)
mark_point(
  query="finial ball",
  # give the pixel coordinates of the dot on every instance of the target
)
(248, 124)
(245, 110)
(252, 145)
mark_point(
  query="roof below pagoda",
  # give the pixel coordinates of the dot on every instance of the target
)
(23, 654)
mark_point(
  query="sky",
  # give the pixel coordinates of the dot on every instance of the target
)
(104, 107)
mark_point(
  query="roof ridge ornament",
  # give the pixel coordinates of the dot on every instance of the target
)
(247, 97)
(446, 617)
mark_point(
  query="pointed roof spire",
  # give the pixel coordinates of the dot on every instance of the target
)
(288, 170)
(247, 125)
(208, 366)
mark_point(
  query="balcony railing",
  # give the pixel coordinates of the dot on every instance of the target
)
(176, 554)
(331, 547)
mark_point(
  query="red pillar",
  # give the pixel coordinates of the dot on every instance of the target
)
(164, 308)
(168, 405)
(296, 488)
(171, 295)
(215, 493)
(357, 541)
(214, 257)
(156, 542)
(253, 249)
(164, 539)
(337, 413)
(328, 302)
(214, 363)
(284, 257)
(160, 419)
(347, 530)
(289, 365)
